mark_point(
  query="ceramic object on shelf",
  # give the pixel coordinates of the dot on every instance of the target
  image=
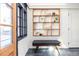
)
(40, 34)
(53, 14)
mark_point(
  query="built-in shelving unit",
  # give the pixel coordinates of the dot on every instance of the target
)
(46, 22)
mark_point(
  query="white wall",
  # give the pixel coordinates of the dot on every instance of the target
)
(25, 43)
(64, 26)
(63, 32)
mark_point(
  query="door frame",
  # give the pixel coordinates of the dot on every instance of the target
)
(12, 48)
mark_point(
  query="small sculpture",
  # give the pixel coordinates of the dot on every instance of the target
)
(56, 19)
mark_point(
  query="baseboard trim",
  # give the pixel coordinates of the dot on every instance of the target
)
(73, 47)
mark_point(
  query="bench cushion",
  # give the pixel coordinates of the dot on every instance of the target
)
(46, 43)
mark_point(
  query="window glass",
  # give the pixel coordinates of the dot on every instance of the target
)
(5, 14)
(22, 21)
(5, 19)
(5, 35)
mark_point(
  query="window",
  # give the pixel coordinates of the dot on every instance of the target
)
(4, 18)
(21, 20)
(5, 25)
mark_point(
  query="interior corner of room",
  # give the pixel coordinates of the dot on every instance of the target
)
(27, 22)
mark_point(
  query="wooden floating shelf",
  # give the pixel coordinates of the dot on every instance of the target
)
(46, 29)
(44, 15)
(46, 8)
(46, 22)
(47, 35)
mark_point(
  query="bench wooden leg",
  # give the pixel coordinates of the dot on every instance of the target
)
(57, 50)
(36, 48)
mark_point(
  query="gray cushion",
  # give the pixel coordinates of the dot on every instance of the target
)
(45, 42)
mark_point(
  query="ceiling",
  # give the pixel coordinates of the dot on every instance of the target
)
(53, 5)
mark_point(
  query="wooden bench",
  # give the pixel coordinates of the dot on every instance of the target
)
(54, 43)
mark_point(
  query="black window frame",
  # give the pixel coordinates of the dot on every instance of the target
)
(22, 19)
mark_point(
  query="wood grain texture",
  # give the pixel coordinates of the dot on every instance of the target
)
(11, 49)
